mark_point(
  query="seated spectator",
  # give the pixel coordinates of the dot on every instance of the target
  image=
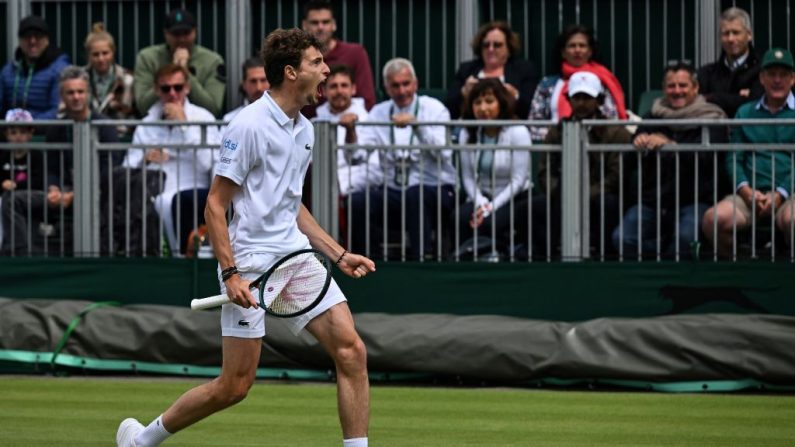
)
(50, 211)
(763, 178)
(734, 78)
(205, 68)
(575, 50)
(586, 95)
(492, 178)
(253, 85)
(111, 85)
(319, 21)
(412, 173)
(355, 169)
(187, 171)
(498, 50)
(694, 170)
(30, 80)
(20, 169)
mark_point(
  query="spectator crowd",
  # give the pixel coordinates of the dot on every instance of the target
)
(648, 202)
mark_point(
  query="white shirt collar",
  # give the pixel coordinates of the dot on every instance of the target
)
(737, 62)
(409, 108)
(789, 104)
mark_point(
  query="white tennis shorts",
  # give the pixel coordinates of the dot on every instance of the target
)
(240, 322)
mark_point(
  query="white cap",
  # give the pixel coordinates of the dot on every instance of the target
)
(585, 82)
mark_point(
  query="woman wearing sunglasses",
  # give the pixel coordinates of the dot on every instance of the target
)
(498, 49)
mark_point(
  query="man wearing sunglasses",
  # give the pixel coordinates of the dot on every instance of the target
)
(185, 170)
(205, 68)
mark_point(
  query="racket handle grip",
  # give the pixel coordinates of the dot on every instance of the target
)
(209, 302)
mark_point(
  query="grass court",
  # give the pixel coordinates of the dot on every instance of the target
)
(48, 411)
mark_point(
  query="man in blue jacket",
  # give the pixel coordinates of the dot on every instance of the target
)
(30, 80)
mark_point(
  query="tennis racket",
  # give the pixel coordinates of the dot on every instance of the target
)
(293, 286)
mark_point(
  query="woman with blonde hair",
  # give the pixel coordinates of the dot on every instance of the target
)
(111, 84)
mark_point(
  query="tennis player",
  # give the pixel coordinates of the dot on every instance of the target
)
(264, 158)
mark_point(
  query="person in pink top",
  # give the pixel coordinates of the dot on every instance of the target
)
(319, 21)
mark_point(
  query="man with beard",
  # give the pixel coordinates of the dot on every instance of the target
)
(355, 169)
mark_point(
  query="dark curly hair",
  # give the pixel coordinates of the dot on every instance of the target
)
(283, 47)
(495, 87)
(563, 39)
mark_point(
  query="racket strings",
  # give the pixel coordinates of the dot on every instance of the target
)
(295, 284)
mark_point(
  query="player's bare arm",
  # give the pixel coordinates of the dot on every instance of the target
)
(353, 265)
(221, 192)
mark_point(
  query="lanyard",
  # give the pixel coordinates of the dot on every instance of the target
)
(26, 88)
(392, 128)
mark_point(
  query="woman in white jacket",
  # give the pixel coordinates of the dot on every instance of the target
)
(493, 179)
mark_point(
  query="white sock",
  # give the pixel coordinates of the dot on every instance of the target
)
(354, 442)
(153, 435)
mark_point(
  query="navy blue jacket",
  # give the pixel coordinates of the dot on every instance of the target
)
(33, 87)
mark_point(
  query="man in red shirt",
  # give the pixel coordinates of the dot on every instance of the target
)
(319, 21)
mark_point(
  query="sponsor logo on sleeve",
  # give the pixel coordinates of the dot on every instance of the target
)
(229, 144)
(226, 160)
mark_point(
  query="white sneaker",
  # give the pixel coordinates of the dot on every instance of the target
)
(128, 430)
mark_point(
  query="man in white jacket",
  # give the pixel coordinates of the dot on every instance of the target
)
(187, 171)
(413, 179)
(355, 168)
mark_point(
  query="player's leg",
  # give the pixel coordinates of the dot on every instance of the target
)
(238, 371)
(335, 331)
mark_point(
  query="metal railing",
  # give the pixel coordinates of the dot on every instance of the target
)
(95, 220)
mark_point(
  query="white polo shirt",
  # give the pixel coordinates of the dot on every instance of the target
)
(267, 154)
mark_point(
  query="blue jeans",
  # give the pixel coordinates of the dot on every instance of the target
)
(689, 230)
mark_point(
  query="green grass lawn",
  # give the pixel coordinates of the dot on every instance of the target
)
(44, 411)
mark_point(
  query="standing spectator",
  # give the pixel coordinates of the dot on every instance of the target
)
(492, 178)
(111, 85)
(695, 170)
(206, 70)
(497, 48)
(734, 78)
(575, 50)
(20, 169)
(319, 21)
(763, 178)
(187, 170)
(30, 80)
(415, 172)
(355, 169)
(253, 85)
(586, 95)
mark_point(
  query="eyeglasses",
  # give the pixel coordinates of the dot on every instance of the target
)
(496, 45)
(166, 89)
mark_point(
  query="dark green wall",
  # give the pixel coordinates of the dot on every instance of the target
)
(555, 291)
